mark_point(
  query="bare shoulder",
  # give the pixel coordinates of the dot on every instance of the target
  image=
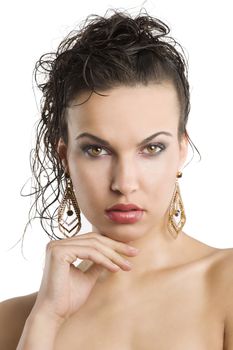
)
(222, 273)
(217, 262)
(221, 268)
(199, 250)
(13, 315)
(218, 265)
(222, 282)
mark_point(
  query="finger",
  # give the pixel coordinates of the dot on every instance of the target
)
(114, 256)
(116, 245)
(70, 253)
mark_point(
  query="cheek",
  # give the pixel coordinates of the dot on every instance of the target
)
(161, 187)
(86, 182)
(88, 187)
(162, 172)
(160, 182)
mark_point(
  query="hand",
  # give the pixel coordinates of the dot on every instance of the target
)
(65, 288)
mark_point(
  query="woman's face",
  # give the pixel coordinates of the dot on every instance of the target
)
(124, 172)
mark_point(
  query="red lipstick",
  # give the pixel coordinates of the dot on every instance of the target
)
(125, 213)
(124, 207)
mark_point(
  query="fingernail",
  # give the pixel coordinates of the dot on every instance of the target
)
(133, 249)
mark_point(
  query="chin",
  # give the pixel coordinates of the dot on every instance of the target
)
(122, 233)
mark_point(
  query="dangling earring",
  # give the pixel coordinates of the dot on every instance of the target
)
(177, 216)
(70, 204)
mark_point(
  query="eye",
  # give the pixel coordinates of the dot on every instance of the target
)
(152, 147)
(96, 149)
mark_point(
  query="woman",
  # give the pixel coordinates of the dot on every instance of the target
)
(114, 113)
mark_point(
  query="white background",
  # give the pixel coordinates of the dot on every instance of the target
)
(29, 29)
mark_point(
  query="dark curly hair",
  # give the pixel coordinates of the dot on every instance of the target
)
(103, 53)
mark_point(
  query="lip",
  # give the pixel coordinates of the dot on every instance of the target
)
(124, 207)
(125, 217)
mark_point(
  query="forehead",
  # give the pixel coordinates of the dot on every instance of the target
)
(136, 108)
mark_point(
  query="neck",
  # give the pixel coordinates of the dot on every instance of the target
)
(158, 251)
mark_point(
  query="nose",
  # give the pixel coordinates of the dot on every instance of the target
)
(124, 177)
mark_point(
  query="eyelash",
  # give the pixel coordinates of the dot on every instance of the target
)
(85, 148)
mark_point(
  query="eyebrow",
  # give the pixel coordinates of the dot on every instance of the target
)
(106, 143)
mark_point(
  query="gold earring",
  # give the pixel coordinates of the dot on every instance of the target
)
(70, 204)
(177, 216)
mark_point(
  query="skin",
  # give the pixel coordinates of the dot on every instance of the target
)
(125, 174)
(178, 287)
(177, 272)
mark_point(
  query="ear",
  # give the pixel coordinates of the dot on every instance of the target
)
(183, 150)
(62, 151)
